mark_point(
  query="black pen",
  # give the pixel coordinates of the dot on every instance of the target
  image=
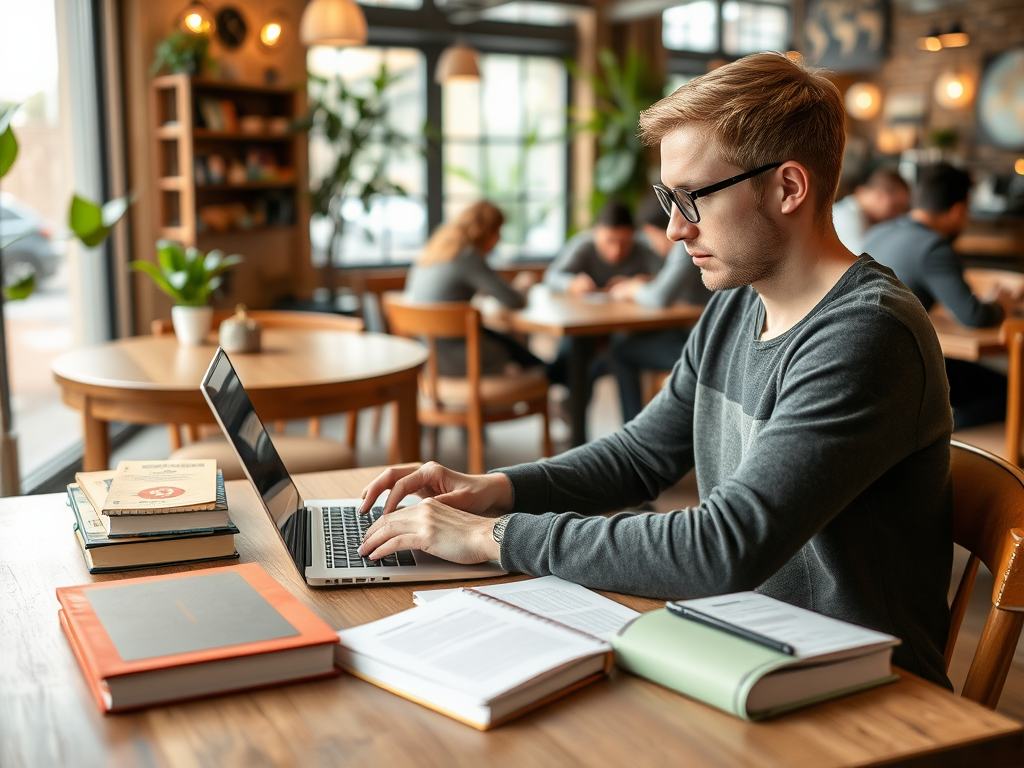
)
(685, 612)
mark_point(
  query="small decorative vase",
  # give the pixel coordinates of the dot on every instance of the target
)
(192, 324)
(240, 333)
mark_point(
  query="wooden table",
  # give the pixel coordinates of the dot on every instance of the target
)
(583, 320)
(48, 717)
(298, 374)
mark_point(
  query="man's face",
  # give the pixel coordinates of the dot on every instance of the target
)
(613, 244)
(883, 203)
(736, 242)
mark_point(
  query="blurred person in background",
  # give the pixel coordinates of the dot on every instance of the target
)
(883, 196)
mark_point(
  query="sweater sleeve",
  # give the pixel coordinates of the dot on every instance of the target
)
(485, 280)
(569, 263)
(846, 412)
(664, 290)
(944, 278)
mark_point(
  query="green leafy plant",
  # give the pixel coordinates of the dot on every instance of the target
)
(187, 275)
(355, 124)
(89, 222)
(943, 138)
(183, 51)
(623, 90)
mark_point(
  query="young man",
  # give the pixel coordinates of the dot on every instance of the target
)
(596, 260)
(811, 399)
(884, 196)
(918, 248)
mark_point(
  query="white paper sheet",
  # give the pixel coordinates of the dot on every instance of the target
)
(553, 598)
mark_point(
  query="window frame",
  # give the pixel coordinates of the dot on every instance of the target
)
(684, 62)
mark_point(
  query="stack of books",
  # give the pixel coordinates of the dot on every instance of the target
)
(149, 513)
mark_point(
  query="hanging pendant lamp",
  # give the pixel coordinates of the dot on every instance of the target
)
(333, 22)
(457, 62)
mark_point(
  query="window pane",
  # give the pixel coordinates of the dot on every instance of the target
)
(506, 140)
(395, 227)
(403, 4)
(753, 27)
(674, 82)
(691, 27)
(525, 12)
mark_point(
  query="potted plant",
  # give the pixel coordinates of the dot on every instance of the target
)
(184, 52)
(189, 277)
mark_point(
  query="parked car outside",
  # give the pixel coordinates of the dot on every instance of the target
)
(33, 249)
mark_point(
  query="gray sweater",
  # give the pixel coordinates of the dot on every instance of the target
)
(822, 461)
(678, 282)
(926, 263)
(459, 280)
(580, 255)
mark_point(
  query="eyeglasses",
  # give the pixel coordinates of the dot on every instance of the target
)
(686, 201)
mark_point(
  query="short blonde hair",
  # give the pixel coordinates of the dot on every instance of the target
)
(763, 109)
(474, 226)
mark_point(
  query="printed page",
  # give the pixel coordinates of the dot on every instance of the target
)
(469, 644)
(811, 634)
(152, 486)
(556, 599)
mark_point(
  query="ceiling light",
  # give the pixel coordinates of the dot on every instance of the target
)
(955, 38)
(333, 22)
(457, 62)
(954, 90)
(931, 42)
(863, 101)
(273, 29)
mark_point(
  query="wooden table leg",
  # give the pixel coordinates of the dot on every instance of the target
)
(405, 446)
(97, 440)
(581, 352)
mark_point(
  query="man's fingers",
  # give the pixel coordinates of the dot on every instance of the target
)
(384, 481)
(389, 547)
(386, 528)
(414, 482)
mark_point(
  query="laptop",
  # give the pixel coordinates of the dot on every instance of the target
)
(321, 535)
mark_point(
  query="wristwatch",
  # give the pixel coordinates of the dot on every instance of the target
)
(498, 531)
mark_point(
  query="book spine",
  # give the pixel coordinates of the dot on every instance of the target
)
(96, 685)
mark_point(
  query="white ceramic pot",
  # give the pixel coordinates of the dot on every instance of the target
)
(192, 324)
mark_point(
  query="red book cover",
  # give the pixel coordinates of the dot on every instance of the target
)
(136, 628)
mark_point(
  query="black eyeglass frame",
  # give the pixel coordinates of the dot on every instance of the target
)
(663, 193)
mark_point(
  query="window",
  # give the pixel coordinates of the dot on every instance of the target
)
(691, 27)
(56, 125)
(504, 140)
(395, 227)
(405, 5)
(751, 27)
(727, 27)
(673, 82)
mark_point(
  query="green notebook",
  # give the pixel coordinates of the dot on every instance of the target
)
(743, 678)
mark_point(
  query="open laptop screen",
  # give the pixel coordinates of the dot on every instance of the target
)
(234, 410)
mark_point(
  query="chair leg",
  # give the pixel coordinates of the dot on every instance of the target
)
(352, 428)
(548, 449)
(476, 449)
(378, 417)
(985, 680)
(175, 434)
(314, 428)
(191, 432)
(279, 426)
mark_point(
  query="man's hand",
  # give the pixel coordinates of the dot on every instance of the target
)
(485, 495)
(581, 284)
(626, 289)
(1004, 299)
(430, 526)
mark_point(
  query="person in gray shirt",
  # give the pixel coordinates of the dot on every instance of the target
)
(452, 268)
(918, 247)
(596, 260)
(811, 399)
(678, 282)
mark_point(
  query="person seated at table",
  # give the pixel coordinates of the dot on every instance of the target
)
(883, 196)
(597, 259)
(678, 282)
(918, 247)
(811, 399)
(453, 267)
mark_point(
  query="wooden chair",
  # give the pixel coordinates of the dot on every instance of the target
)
(475, 400)
(988, 521)
(307, 453)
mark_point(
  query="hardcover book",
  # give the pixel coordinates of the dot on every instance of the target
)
(161, 487)
(104, 553)
(159, 639)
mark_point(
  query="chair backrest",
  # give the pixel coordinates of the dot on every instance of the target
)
(448, 320)
(272, 318)
(988, 521)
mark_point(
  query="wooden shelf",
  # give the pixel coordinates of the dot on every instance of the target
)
(249, 185)
(207, 134)
(169, 132)
(173, 183)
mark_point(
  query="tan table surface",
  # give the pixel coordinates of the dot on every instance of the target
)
(48, 717)
(962, 343)
(299, 373)
(560, 315)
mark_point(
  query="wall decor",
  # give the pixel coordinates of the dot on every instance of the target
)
(1000, 101)
(846, 35)
(231, 27)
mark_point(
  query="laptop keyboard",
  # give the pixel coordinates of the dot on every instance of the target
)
(344, 529)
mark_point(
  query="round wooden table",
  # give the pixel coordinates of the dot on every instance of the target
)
(298, 374)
